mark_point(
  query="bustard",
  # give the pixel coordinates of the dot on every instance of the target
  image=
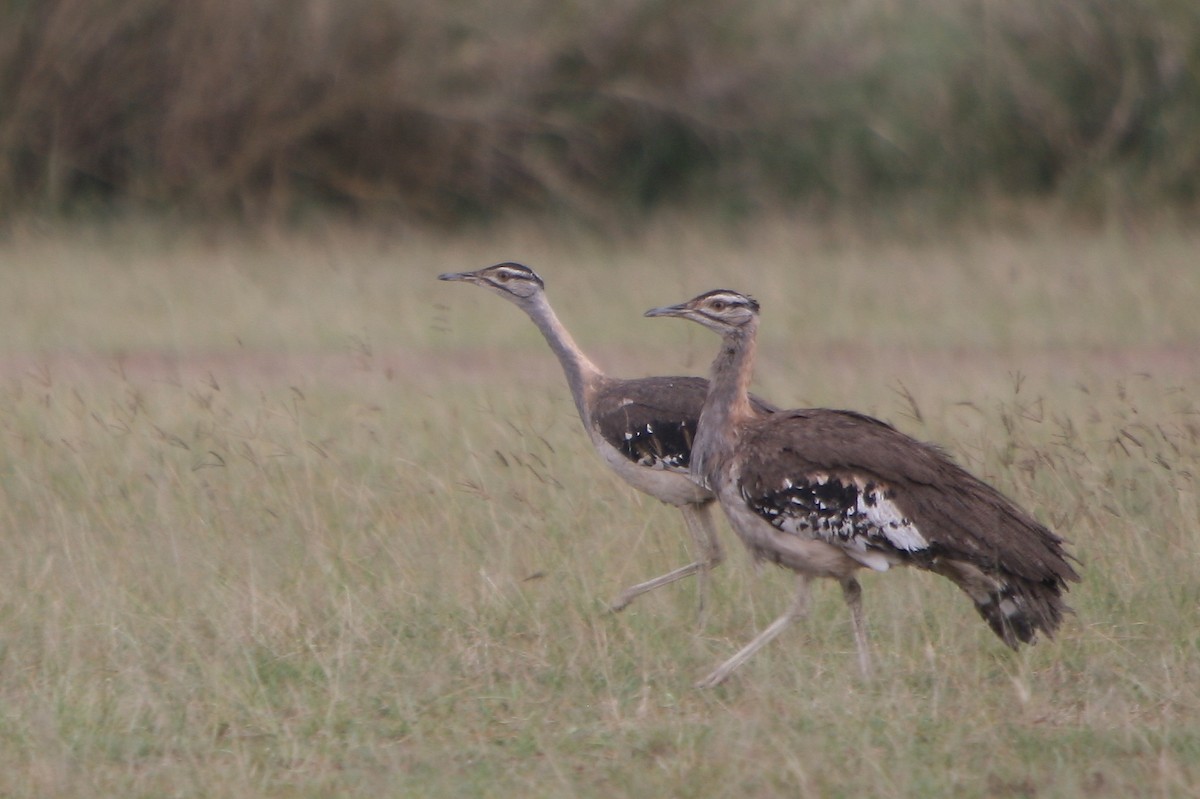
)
(828, 492)
(642, 428)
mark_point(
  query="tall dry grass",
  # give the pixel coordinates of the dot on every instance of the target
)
(458, 111)
(315, 524)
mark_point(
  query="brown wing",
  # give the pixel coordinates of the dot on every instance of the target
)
(850, 472)
(957, 514)
(652, 420)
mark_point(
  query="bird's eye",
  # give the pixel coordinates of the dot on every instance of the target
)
(717, 305)
(504, 277)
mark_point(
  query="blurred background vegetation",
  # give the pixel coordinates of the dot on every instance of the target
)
(271, 109)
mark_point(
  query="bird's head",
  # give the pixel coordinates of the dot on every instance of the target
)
(722, 310)
(510, 280)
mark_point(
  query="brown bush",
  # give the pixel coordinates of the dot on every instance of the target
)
(444, 110)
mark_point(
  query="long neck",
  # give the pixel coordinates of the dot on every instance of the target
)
(727, 405)
(582, 375)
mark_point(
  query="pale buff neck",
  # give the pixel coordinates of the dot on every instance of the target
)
(582, 375)
(727, 405)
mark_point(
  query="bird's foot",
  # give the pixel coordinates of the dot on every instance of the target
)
(622, 601)
(714, 679)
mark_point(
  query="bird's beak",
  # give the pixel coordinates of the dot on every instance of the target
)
(670, 310)
(457, 276)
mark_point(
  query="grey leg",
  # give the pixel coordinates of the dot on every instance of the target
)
(852, 591)
(709, 555)
(796, 610)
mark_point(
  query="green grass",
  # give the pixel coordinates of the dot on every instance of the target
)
(291, 518)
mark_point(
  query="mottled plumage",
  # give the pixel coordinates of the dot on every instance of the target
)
(642, 428)
(827, 492)
(652, 420)
(888, 499)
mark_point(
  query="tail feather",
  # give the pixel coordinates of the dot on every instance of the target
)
(1017, 620)
(1016, 609)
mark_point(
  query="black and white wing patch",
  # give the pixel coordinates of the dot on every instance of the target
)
(855, 513)
(652, 421)
(660, 445)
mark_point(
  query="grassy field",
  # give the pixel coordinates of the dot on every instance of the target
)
(287, 517)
